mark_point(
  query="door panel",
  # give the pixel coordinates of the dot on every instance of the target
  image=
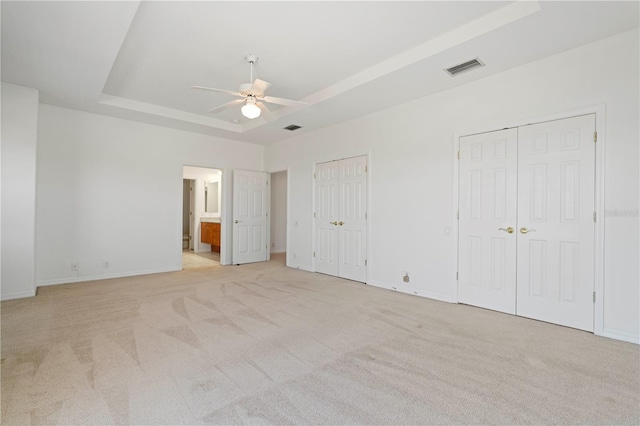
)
(352, 231)
(327, 243)
(250, 194)
(556, 204)
(488, 191)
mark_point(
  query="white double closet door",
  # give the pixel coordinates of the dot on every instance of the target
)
(341, 218)
(526, 221)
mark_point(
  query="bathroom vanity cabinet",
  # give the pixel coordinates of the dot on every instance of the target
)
(210, 234)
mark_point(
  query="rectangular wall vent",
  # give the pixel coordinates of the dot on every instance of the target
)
(292, 127)
(465, 66)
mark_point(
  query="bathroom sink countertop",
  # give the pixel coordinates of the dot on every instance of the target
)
(210, 219)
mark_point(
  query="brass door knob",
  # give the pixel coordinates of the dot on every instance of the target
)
(508, 230)
(526, 231)
(341, 223)
(333, 223)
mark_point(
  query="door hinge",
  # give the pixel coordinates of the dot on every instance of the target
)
(458, 155)
(365, 169)
(595, 136)
(365, 215)
(456, 276)
(314, 175)
(594, 217)
(314, 254)
(314, 215)
(594, 297)
(458, 215)
(365, 262)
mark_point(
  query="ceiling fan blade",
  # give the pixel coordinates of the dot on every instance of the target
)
(259, 87)
(211, 89)
(266, 112)
(227, 105)
(281, 101)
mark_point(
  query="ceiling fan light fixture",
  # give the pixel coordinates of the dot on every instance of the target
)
(250, 110)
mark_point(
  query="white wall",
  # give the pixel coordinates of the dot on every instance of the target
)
(279, 212)
(112, 189)
(411, 169)
(19, 139)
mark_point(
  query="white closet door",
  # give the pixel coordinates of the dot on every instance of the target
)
(250, 208)
(487, 203)
(555, 221)
(327, 217)
(352, 224)
(341, 218)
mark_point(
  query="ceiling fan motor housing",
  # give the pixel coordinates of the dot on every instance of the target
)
(245, 88)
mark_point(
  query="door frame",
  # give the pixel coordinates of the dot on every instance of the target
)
(192, 207)
(600, 114)
(368, 204)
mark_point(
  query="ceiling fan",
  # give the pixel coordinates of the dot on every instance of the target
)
(252, 95)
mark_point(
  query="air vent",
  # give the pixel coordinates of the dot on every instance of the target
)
(466, 66)
(292, 127)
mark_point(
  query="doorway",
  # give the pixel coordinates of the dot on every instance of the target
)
(203, 188)
(527, 221)
(279, 216)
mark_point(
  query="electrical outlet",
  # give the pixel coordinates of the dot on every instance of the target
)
(106, 264)
(273, 245)
(75, 266)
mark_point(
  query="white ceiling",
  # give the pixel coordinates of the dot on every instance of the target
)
(137, 60)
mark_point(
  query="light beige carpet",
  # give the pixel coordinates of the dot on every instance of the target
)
(265, 344)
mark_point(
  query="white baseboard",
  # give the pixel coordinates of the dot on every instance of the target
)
(69, 280)
(296, 266)
(17, 295)
(273, 251)
(408, 290)
(621, 335)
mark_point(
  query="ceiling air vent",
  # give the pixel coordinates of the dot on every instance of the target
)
(292, 127)
(465, 66)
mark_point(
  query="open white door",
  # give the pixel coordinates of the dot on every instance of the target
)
(487, 238)
(556, 229)
(250, 211)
